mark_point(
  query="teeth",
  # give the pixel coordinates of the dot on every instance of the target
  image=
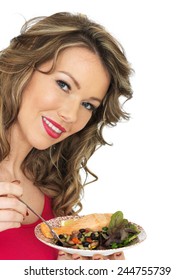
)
(54, 128)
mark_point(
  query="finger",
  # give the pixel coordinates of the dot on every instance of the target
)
(11, 216)
(77, 257)
(98, 257)
(10, 188)
(117, 256)
(8, 225)
(14, 204)
(64, 256)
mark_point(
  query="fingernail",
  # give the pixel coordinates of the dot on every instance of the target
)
(77, 257)
(97, 258)
(16, 181)
(62, 254)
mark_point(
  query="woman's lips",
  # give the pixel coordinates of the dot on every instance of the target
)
(52, 128)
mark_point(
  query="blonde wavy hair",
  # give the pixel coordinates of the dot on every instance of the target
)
(57, 170)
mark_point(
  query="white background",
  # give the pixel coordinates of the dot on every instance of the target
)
(149, 171)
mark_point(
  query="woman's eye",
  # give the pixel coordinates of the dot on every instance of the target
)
(63, 85)
(89, 106)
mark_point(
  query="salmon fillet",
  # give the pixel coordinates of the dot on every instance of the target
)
(94, 222)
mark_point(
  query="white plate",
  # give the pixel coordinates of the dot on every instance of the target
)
(56, 222)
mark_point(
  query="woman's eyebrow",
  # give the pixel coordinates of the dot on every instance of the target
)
(95, 99)
(74, 80)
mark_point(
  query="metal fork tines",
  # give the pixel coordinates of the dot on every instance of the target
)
(54, 234)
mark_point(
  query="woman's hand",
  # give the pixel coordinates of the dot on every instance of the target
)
(65, 256)
(12, 211)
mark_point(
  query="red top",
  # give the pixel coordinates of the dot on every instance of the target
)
(22, 244)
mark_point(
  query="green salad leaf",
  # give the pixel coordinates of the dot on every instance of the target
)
(120, 232)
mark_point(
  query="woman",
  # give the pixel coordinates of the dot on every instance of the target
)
(60, 84)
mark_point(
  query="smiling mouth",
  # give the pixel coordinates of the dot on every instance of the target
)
(52, 128)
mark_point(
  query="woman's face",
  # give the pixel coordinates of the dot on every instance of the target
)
(57, 105)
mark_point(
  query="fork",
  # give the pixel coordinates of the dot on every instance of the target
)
(54, 234)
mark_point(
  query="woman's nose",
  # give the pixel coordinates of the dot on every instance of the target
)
(69, 112)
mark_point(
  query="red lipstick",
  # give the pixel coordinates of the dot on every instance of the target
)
(52, 128)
